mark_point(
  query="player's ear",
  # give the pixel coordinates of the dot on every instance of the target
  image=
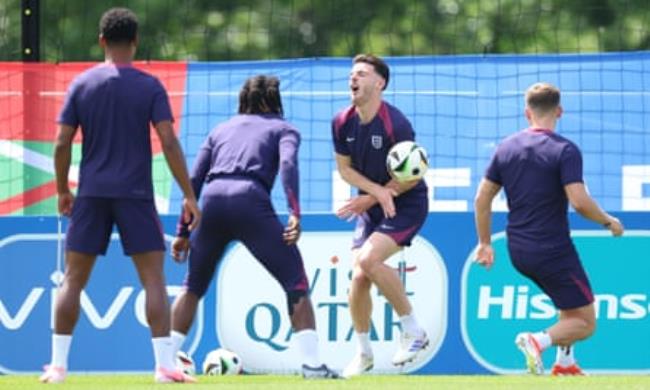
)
(381, 83)
(559, 111)
(102, 41)
(528, 113)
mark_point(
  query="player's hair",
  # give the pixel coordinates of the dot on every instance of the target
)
(259, 95)
(542, 97)
(377, 63)
(118, 26)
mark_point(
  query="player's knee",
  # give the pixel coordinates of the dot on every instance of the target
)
(359, 279)
(73, 283)
(589, 327)
(186, 298)
(197, 290)
(585, 328)
(588, 322)
(368, 266)
(293, 298)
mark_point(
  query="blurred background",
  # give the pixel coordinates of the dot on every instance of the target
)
(205, 30)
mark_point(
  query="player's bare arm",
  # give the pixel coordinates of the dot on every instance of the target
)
(360, 203)
(356, 206)
(383, 195)
(584, 204)
(402, 187)
(176, 162)
(486, 192)
(62, 160)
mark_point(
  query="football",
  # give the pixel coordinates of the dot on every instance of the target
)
(185, 363)
(407, 161)
(222, 362)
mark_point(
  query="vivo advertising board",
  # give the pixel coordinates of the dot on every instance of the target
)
(112, 333)
(500, 302)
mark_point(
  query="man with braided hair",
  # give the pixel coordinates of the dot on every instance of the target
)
(238, 163)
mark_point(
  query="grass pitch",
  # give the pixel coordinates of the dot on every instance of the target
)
(373, 382)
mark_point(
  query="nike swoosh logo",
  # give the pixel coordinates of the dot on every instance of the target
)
(350, 139)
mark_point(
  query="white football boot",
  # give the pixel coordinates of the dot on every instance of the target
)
(529, 347)
(410, 346)
(360, 364)
(53, 374)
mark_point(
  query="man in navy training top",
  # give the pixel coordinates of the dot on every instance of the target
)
(541, 172)
(389, 214)
(114, 104)
(238, 163)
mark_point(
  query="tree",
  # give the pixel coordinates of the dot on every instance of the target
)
(268, 29)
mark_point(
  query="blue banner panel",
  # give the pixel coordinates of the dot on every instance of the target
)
(471, 314)
(502, 304)
(460, 108)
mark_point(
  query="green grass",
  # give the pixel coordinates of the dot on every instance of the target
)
(410, 382)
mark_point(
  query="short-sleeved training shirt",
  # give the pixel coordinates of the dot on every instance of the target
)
(533, 166)
(115, 105)
(368, 144)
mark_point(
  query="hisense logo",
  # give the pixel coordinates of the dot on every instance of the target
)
(516, 302)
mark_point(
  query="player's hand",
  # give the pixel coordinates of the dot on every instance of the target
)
(485, 255)
(355, 206)
(191, 213)
(394, 185)
(180, 249)
(292, 230)
(384, 196)
(65, 202)
(615, 226)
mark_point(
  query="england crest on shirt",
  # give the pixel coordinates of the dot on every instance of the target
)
(376, 141)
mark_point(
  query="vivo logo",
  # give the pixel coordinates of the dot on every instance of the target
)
(112, 308)
(98, 319)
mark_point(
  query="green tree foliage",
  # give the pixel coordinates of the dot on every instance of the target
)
(210, 30)
(10, 42)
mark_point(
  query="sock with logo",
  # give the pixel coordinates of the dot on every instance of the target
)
(364, 343)
(543, 340)
(163, 352)
(178, 339)
(410, 325)
(564, 356)
(60, 350)
(307, 341)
